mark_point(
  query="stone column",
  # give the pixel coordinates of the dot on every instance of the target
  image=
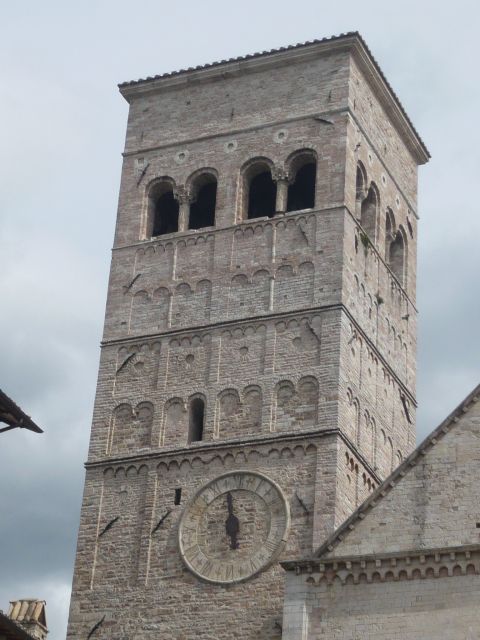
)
(184, 200)
(280, 176)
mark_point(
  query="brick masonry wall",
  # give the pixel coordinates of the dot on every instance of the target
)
(187, 112)
(286, 380)
(275, 323)
(444, 606)
(137, 578)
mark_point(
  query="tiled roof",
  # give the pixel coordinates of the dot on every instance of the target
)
(249, 56)
(13, 416)
(301, 45)
(399, 472)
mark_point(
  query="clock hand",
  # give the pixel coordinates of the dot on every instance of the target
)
(232, 524)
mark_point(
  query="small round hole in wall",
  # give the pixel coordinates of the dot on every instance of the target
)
(230, 146)
(397, 202)
(280, 136)
(181, 156)
(370, 158)
(384, 179)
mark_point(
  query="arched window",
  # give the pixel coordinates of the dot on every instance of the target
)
(396, 257)
(196, 420)
(204, 196)
(261, 191)
(360, 189)
(301, 191)
(368, 213)
(389, 225)
(163, 209)
(361, 182)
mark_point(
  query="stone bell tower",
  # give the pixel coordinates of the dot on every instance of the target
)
(257, 374)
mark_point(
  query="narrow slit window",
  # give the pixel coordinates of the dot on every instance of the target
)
(368, 213)
(197, 420)
(178, 497)
(397, 257)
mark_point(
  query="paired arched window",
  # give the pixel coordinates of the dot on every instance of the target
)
(301, 190)
(264, 193)
(260, 191)
(203, 201)
(293, 190)
(367, 213)
(196, 419)
(163, 209)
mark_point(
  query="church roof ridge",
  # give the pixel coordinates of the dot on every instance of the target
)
(422, 150)
(383, 489)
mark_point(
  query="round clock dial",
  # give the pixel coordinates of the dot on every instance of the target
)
(234, 527)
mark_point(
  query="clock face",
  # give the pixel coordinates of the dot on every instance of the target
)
(234, 527)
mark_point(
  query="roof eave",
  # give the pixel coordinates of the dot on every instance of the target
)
(352, 41)
(12, 415)
(235, 66)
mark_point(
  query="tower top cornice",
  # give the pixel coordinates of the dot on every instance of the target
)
(351, 42)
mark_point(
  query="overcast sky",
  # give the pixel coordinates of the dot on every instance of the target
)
(63, 125)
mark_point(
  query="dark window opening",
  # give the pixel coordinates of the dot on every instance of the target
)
(202, 211)
(262, 196)
(301, 193)
(397, 257)
(197, 418)
(178, 496)
(165, 214)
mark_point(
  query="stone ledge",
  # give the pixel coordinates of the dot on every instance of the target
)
(394, 566)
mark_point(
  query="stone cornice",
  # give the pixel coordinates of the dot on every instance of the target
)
(232, 445)
(189, 234)
(234, 131)
(203, 447)
(387, 567)
(411, 461)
